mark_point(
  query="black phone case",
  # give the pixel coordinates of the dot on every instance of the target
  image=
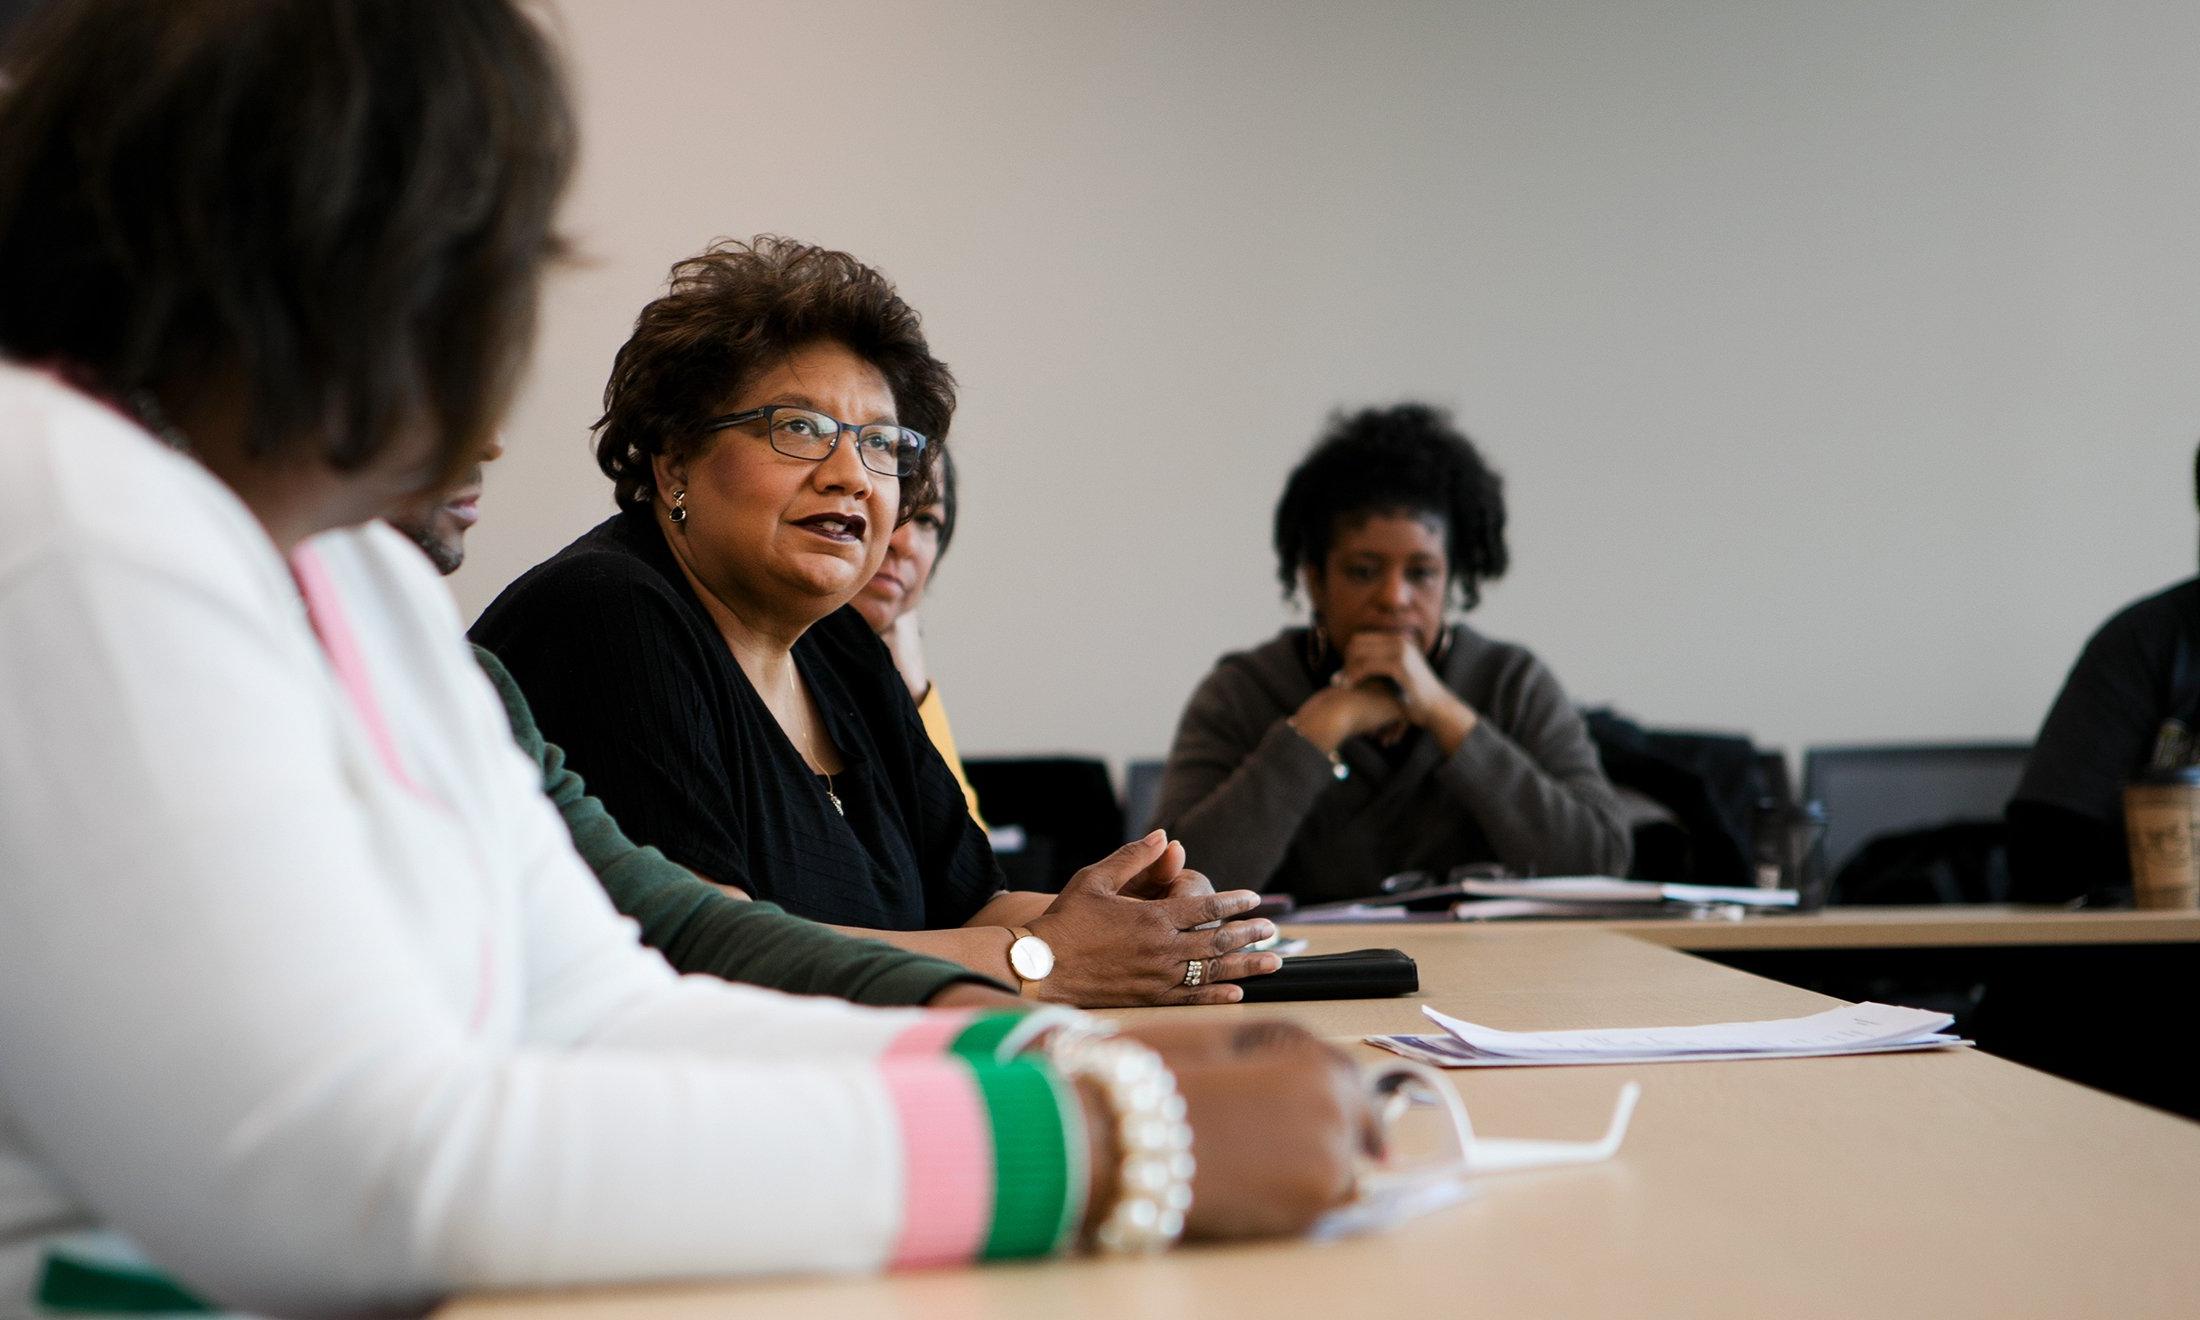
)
(1360, 974)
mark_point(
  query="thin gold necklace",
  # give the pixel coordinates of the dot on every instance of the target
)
(809, 758)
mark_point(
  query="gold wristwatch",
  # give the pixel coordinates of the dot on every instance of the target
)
(1029, 957)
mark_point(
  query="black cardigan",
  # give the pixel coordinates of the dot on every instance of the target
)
(626, 671)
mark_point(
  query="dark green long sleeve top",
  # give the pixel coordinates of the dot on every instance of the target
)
(700, 928)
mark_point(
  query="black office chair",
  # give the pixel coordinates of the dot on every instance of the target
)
(1141, 794)
(1704, 788)
(1064, 806)
(1917, 822)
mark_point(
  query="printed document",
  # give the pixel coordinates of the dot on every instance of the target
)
(1850, 1029)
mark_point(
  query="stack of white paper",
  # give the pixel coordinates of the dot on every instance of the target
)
(1553, 896)
(1515, 909)
(1850, 1029)
(1606, 889)
(1334, 914)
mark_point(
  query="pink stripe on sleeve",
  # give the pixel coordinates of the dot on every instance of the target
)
(933, 1035)
(947, 1162)
(325, 610)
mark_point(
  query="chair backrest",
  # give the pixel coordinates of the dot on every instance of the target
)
(1065, 805)
(1141, 794)
(1772, 774)
(1869, 792)
(1708, 786)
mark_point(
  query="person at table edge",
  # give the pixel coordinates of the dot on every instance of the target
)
(2130, 704)
(1384, 737)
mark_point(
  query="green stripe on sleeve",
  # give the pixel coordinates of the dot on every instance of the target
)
(981, 1040)
(1031, 1157)
(71, 1286)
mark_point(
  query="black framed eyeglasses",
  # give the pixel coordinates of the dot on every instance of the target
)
(890, 451)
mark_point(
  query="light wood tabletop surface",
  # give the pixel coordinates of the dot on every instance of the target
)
(1984, 926)
(1944, 1184)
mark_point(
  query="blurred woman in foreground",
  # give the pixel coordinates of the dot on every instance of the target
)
(302, 987)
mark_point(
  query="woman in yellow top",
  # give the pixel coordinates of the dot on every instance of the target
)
(889, 603)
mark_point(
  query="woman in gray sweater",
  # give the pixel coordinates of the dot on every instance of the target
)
(1385, 738)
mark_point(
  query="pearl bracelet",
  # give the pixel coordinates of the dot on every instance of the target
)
(1154, 1187)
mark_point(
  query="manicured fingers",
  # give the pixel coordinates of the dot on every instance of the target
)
(1120, 867)
(1158, 878)
(1157, 875)
(1230, 937)
(1193, 912)
(1204, 994)
(1238, 966)
(1188, 884)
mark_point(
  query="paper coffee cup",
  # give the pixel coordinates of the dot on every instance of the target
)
(2162, 820)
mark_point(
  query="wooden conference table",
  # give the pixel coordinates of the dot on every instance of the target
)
(1980, 927)
(1944, 1184)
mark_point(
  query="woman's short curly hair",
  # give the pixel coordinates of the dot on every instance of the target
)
(1404, 459)
(733, 310)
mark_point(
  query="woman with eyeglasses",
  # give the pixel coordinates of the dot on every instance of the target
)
(771, 421)
(1387, 737)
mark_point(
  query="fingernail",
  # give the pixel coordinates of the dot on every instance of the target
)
(1264, 930)
(1157, 834)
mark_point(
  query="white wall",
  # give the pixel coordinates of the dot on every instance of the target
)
(1840, 357)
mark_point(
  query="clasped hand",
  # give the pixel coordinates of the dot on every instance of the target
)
(1124, 928)
(1384, 687)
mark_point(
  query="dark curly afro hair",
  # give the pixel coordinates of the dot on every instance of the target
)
(1409, 459)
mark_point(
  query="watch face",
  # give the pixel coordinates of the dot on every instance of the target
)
(1031, 957)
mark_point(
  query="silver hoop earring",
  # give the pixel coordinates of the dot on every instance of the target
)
(678, 514)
